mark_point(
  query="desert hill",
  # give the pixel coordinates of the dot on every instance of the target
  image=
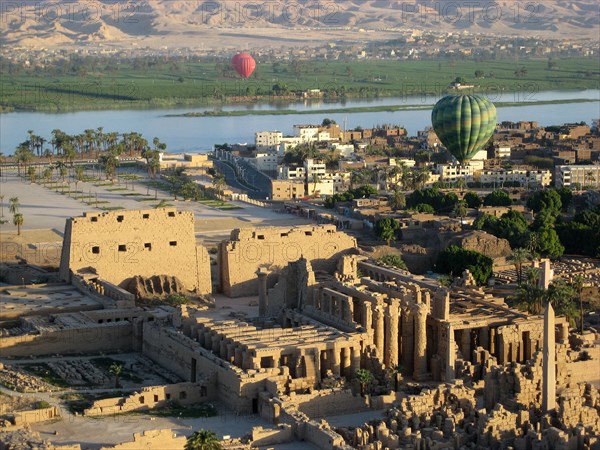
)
(219, 24)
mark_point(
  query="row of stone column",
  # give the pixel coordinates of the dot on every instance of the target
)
(226, 349)
(341, 361)
(387, 321)
(335, 304)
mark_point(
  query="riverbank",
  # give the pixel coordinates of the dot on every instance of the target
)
(206, 85)
(362, 109)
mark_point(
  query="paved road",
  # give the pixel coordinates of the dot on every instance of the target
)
(259, 180)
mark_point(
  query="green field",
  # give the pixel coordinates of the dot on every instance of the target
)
(201, 84)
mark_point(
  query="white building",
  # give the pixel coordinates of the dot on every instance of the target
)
(314, 167)
(288, 142)
(307, 133)
(291, 173)
(581, 176)
(330, 184)
(267, 140)
(481, 155)
(454, 172)
(502, 152)
(346, 150)
(266, 162)
(406, 162)
(521, 176)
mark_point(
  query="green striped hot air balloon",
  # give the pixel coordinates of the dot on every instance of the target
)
(464, 124)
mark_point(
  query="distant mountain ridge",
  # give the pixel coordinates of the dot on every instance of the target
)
(221, 23)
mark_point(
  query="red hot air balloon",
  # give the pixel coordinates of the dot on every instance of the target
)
(244, 64)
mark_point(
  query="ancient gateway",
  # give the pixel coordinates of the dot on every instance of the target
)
(117, 246)
(272, 249)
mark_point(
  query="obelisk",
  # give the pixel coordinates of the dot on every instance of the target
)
(549, 361)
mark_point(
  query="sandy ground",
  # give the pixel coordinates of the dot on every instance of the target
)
(43, 208)
(97, 432)
(45, 212)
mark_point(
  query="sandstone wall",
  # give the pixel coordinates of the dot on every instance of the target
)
(272, 436)
(114, 337)
(35, 415)
(272, 247)
(152, 397)
(326, 403)
(119, 245)
(152, 440)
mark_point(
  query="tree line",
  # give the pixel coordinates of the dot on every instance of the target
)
(106, 147)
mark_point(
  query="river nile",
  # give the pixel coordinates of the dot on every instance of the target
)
(200, 133)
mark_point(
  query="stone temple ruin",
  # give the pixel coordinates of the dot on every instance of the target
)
(117, 248)
(470, 372)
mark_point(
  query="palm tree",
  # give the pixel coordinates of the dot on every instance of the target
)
(203, 440)
(47, 174)
(360, 177)
(316, 180)
(562, 295)
(518, 257)
(533, 244)
(219, 182)
(533, 275)
(364, 377)
(589, 177)
(397, 200)
(531, 297)
(461, 210)
(116, 369)
(110, 162)
(1, 205)
(422, 176)
(31, 174)
(18, 221)
(14, 205)
(23, 155)
(577, 283)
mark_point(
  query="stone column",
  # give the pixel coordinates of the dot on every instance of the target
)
(216, 344)
(317, 360)
(336, 361)
(238, 358)
(379, 328)
(349, 310)
(231, 351)
(346, 362)
(484, 337)
(367, 316)
(247, 360)
(263, 300)
(549, 360)
(450, 353)
(223, 349)
(391, 344)
(465, 344)
(420, 355)
(492, 341)
(407, 340)
(355, 359)
(563, 332)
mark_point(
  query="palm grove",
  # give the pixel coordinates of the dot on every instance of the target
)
(106, 147)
